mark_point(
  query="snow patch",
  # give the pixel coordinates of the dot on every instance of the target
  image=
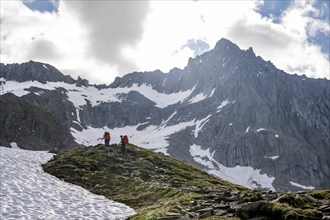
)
(277, 136)
(27, 192)
(273, 157)
(223, 104)
(45, 66)
(165, 122)
(302, 186)
(261, 129)
(162, 100)
(14, 145)
(199, 97)
(200, 124)
(79, 95)
(212, 93)
(247, 129)
(78, 115)
(39, 93)
(245, 176)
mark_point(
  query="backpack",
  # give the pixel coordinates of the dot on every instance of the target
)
(125, 139)
(107, 136)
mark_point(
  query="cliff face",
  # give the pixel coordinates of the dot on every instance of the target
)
(31, 126)
(228, 111)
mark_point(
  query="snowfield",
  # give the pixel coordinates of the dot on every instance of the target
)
(79, 95)
(27, 192)
(242, 175)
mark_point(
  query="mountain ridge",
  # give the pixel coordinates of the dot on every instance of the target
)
(235, 108)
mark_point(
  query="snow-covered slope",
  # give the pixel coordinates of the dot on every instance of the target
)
(79, 95)
(27, 192)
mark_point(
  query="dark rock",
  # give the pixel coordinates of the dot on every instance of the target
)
(30, 126)
(82, 82)
(33, 71)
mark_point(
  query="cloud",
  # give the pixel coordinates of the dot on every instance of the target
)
(170, 25)
(100, 40)
(265, 35)
(43, 49)
(83, 37)
(111, 26)
(22, 37)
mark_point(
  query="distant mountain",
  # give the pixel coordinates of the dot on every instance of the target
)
(228, 111)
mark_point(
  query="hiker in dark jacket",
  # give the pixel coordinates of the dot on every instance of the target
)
(123, 141)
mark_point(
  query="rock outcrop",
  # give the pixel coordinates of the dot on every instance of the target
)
(30, 126)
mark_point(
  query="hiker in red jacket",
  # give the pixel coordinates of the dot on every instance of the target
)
(106, 138)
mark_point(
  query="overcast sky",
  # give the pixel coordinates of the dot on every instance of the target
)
(100, 40)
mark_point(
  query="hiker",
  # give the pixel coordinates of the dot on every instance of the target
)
(124, 141)
(106, 138)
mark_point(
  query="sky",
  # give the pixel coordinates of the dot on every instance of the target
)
(100, 40)
(27, 192)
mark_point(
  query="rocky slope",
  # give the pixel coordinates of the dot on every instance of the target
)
(30, 126)
(228, 111)
(161, 187)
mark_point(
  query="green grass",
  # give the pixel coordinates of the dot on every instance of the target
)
(162, 185)
(155, 184)
(320, 194)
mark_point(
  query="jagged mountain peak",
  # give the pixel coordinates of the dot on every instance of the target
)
(224, 43)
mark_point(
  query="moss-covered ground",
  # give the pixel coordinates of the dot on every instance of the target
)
(162, 187)
(151, 183)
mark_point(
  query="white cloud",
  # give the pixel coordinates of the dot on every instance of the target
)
(171, 24)
(79, 39)
(94, 41)
(286, 44)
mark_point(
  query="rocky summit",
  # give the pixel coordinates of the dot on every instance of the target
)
(228, 112)
(161, 187)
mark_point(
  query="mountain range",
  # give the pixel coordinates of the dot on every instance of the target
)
(228, 112)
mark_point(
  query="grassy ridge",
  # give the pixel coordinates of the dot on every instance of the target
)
(149, 182)
(162, 187)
